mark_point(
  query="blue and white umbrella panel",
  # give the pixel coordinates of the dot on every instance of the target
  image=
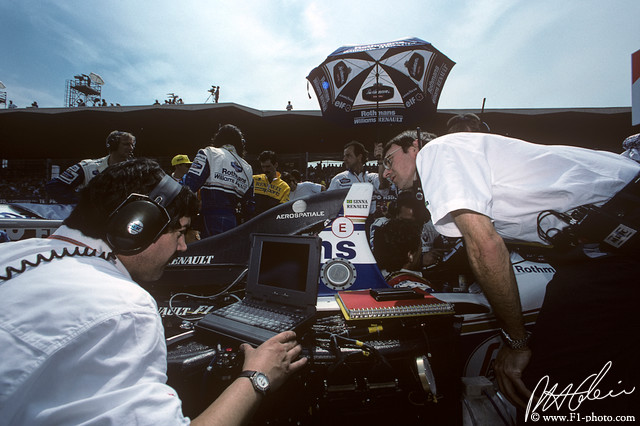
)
(394, 82)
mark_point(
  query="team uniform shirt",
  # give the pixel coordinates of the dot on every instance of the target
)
(383, 197)
(303, 189)
(511, 181)
(222, 175)
(347, 178)
(81, 342)
(64, 188)
(269, 194)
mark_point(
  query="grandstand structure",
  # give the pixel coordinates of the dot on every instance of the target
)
(34, 140)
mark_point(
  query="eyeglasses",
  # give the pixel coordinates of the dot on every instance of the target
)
(386, 161)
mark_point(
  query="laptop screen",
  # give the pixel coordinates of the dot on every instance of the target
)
(285, 266)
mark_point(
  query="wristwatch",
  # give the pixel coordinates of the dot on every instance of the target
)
(259, 381)
(515, 343)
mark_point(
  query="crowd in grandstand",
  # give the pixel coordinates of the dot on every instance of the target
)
(25, 188)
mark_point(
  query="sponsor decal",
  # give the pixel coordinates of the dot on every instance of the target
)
(341, 74)
(415, 66)
(226, 175)
(69, 175)
(25, 233)
(197, 167)
(201, 310)
(296, 215)
(357, 204)
(345, 249)
(135, 227)
(193, 260)
(237, 167)
(371, 116)
(342, 227)
(377, 92)
(321, 86)
(519, 269)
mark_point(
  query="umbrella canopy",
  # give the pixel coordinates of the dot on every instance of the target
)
(394, 82)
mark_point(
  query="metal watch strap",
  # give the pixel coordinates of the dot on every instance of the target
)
(515, 343)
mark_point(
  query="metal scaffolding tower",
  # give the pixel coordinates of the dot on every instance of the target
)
(83, 90)
(3, 95)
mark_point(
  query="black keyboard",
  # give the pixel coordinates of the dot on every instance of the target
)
(249, 323)
(269, 319)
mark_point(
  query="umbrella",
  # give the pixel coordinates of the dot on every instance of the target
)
(395, 82)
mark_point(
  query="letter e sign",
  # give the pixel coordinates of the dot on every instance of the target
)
(342, 227)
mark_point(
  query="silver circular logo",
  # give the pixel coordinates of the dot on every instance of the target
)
(135, 227)
(299, 206)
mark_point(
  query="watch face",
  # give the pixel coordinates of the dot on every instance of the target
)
(261, 381)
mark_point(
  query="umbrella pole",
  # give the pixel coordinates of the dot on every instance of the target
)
(377, 104)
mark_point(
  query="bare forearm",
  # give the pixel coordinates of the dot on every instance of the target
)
(493, 271)
(233, 407)
(489, 259)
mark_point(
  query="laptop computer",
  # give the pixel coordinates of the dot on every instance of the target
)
(281, 291)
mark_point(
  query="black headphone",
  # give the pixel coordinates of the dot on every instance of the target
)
(113, 140)
(140, 220)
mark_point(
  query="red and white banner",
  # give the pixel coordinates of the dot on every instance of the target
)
(635, 88)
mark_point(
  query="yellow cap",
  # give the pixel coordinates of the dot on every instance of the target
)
(180, 159)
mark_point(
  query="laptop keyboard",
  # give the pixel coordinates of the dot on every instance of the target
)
(260, 316)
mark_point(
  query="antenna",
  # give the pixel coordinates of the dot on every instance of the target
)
(213, 92)
(96, 79)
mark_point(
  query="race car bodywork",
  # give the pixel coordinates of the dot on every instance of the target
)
(210, 271)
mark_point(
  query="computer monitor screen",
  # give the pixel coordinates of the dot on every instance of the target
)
(284, 265)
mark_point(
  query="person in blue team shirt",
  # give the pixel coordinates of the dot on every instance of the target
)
(64, 188)
(224, 179)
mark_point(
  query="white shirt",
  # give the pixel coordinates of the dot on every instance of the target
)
(90, 169)
(305, 188)
(512, 181)
(347, 178)
(80, 341)
(228, 171)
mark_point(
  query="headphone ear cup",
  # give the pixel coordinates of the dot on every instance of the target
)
(135, 225)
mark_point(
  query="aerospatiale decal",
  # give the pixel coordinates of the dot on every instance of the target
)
(300, 214)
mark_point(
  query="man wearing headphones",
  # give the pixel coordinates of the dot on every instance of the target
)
(82, 342)
(224, 179)
(64, 188)
(468, 122)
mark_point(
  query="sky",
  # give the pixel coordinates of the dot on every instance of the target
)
(516, 54)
